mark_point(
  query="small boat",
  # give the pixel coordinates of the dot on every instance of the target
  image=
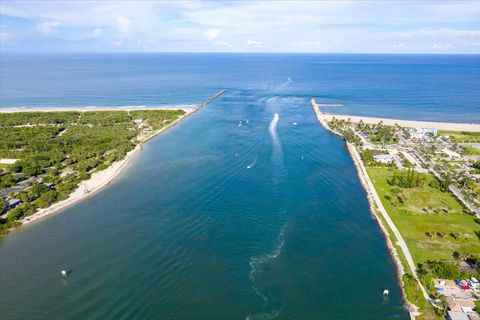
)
(295, 123)
(64, 273)
(385, 292)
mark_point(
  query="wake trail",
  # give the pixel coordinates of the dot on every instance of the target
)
(271, 310)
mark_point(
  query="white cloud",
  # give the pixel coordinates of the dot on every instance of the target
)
(96, 33)
(254, 43)
(287, 26)
(400, 45)
(48, 27)
(124, 27)
(442, 46)
(212, 34)
(430, 32)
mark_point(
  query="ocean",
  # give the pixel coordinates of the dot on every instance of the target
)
(418, 87)
(248, 209)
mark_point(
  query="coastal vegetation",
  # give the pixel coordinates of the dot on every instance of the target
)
(54, 151)
(441, 235)
(471, 151)
(432, 222)
(368, 154)
(379, 134)
(462, 136)
(429, 188)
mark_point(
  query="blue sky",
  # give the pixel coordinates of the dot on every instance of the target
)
(240, 26)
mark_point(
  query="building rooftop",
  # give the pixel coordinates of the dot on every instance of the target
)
(12, 202)
(383, 156)
(460, 305)
(452, 315)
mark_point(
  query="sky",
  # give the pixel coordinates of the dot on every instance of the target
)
(240, 26)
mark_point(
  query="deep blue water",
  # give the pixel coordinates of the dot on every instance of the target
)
(422, 87)
(216, 220)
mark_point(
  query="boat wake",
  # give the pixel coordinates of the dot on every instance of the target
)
(256, 264)
(253, 163)
(283, 85)
(271, 309)
(277, 153)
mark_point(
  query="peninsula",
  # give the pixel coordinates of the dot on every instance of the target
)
(51, 159)
(422, 183)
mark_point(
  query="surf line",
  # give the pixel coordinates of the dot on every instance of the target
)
(271, 309)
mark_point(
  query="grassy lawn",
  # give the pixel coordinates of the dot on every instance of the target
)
(428, 210)
(471, 151)
(462, 136)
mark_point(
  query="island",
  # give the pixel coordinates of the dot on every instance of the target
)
(422, 181)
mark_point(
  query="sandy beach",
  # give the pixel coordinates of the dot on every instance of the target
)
(450, 126)
(186, 108)
(100, 179)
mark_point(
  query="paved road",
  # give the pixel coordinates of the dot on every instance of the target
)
(400, 241)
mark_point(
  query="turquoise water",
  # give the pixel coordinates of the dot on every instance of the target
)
(213, 219)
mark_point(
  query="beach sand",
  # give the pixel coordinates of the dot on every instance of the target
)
(100, 179)
(449, 126)
(186, 108)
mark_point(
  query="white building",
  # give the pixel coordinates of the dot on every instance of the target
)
(383, 158)
(423, 133)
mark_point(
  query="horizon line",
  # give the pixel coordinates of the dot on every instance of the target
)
(238, 52)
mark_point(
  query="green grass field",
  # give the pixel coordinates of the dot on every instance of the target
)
(425, 211)
(462, 136)
(471, 151)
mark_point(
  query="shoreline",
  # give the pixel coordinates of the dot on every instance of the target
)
(103, 178)
(447, 126)
(186, 108)
(374, 205)
(367, 185)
